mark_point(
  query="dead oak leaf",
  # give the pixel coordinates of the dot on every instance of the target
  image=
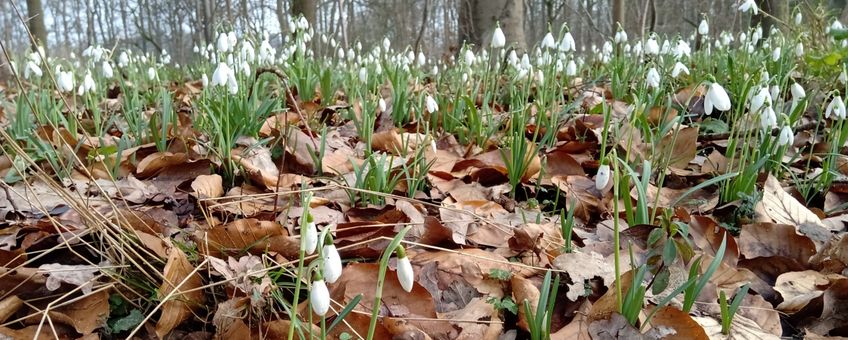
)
(179, 287)
(781, 207)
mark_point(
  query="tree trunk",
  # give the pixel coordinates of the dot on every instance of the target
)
(477, 20)
(776, 8)
(618, 11)
(36, 23)
(307, 8)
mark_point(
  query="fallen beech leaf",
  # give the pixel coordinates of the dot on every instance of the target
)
(678, 148)
(180, 306)
(785, 209)
(708, 236)
(155, 162)
(741, 328)
(524, 290)
(759, 310)
(798, 289)
(78, 275)
(208, 186)
(834, 316)
(607, 306)
(767, 239)
(682, 324)
(84, 315)
(582, 267)
(249, 234)
(581, 190)
(476, 310)
(228, 319)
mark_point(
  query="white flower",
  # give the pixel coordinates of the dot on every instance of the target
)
(799, 50)
(404, 270)
(567, 43)
(332, 262)
(65, 81)
(421, 59)
(652, 47)
(768, 119)
(760, 99)
(204, 80)
(652, 79)
(106, 70)
(151, 73)
(386, 44)
(341, 53)
(382, 105)
(679, 69)
(703, 27)
(433, 146)
(232, 39)
(123, 59)
(32, 69)
(843, 77)
(309, 232)
(620, 37)
(786, 137)
(749, 6)
(775, 54)
(548, 41)
(798, 92)
(469, 57)
(223, 43)
(319, 297)
(88, 83)
(222, 72)
(571, 68)
(498, 38)
(836, 107)
(432, 106)
(603, 177)
(363, 74)
(716, 97)
(435, 70)
(798, 18)
(682, 49)
(232, 83)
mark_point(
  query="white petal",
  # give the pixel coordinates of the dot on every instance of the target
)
(319, 297)
(405, 274)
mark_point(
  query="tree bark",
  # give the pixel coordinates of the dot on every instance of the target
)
(478, 19)
(777, 10)
(307, 8)
(36, 23)
(618, 15)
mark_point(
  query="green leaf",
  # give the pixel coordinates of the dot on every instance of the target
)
(128, 322)
(712, 125)
(661, 281)
(669, 252)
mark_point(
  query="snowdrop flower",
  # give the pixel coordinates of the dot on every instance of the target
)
(760, 99)
(749, 6)
(799, 50)
(798, 18)
(341, 53)
(106, 70)
(123, 59)
(786, 137)
(651, 46)
(302, 23)
(319, 297)
(404, 270)
(768, 119)
(797, 91)
(716, 97)
(652, 79)
(540, 76)
(602, 178)
(421, 59)
(620, 36)
(386, 44)
(836, 25)
(498, 38)
(571, 69)
(513, 58)
(433, 146)
(679, 69)
(221, 74)
(843, 77)
(682, 49)
(836, 107)
(432, 106)
(32, 69)
(88, 84)
(567, 43)
(309, 232)
(223, 43)
(775, 54)
(703, 27)
(65, 81)
(363, 74)
(332, 268)
(204, 80)
(548, 41)
(151, 73)
(469, 57)
(434, 71)
(382, 105)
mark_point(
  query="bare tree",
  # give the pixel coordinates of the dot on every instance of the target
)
(618, 11)
(478, 18)
(307, 8)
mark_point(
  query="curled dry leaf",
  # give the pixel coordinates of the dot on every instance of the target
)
(708, 236)
(155, 162)
(582, 267)
(208, 186)
(476, 310)
(679, 147)
(251, 234)
(684, 327)
(524, 290)
(741, 328)
(781, 207)
(181, 283)
(9, 306)
(799, 288)
(84, 315)
(768, 240)
(834, 316)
